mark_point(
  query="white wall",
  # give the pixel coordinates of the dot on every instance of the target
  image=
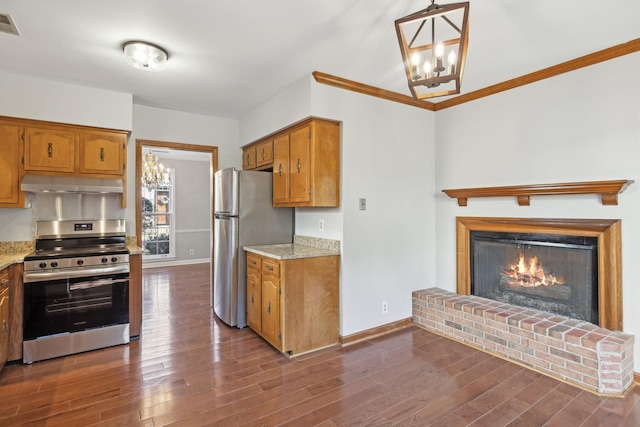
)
(157, 124)
(387, 158)
(580, 126)
(32, 98)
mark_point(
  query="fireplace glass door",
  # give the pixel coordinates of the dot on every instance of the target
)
(553, 273)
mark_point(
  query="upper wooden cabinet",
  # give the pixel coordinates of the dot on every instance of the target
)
(43, 148)
(102, 153)
(49, 150)
(249, 158)
(10, 171)
(264, 153)
(305, 163)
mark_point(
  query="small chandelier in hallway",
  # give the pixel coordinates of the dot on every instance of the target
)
(154, 175)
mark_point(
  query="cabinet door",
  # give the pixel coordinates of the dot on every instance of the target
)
(249, 158)
(271, 310)
(281, 169)
(4, 319)
(49, 150)
(102, 153)
(10, 166)
(254, 293)
(264, 153)
(299, 165)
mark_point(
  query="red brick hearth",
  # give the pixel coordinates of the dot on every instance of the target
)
(574, 351)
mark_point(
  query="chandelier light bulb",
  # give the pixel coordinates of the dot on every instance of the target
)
(452, 59)
(427, 70)
(439, 51)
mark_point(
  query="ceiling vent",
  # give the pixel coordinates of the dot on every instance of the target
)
(7, 25)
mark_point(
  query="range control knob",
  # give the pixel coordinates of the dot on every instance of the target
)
(114, 259)
(80, 262)
(54, 264)
(42, 265)
(104, 260)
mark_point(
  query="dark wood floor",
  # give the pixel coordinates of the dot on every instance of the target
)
(189, 369)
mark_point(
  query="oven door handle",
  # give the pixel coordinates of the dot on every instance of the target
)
(38, 276)
(95, 284)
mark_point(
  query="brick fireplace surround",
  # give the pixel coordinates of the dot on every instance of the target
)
(577, 352)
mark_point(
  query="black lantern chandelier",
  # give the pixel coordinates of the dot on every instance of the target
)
(428, 37)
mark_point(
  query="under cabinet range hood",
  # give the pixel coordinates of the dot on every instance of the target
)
(70, 184)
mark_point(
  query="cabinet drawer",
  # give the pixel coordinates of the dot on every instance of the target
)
(253, 261)
(271, 268)
(264, 153)
(249, 158)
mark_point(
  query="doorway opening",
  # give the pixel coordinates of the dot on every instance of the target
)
(181, 155)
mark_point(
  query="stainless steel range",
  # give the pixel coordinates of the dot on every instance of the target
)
(76, 288)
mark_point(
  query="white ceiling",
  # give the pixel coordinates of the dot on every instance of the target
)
(229, 56)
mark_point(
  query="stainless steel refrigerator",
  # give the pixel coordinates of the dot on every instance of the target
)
(243, 215)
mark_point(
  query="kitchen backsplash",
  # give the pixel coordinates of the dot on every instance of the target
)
(73, 206)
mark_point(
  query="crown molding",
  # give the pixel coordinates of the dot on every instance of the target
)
(565, 67)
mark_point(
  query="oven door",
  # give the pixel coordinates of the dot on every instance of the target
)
(72, 304)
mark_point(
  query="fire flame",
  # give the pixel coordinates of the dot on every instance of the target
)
(529, 274)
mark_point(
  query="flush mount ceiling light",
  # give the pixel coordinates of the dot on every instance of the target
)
(425, 38)
(145, 56)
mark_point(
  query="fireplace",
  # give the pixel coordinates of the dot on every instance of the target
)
(549, 272)
(578, 262)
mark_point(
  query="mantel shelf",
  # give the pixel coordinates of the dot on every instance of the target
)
(608, 191)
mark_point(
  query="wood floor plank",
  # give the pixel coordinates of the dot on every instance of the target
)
(190, 369)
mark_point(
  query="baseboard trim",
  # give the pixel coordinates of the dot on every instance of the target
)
(375, 332)
(152, 264)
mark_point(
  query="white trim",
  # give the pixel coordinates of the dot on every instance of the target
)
(194, 230)
(174, 263)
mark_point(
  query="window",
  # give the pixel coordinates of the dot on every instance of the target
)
(158, 229)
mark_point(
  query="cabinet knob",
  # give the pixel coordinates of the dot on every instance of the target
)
(251, 299)
(102, 154)
(298, 165)
(280, 169)
(50, 149)
(269, 308)
(4, 281)
(5, 328)
(263, 154)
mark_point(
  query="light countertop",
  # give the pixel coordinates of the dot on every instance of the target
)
(302, 247)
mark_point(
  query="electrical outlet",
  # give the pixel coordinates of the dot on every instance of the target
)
(321, 225)
(191, 252)
(363, 204)
(385, 307)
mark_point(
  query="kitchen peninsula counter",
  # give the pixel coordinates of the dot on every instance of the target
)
(302, 247)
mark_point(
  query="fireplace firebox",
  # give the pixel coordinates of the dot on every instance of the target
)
(552, 273)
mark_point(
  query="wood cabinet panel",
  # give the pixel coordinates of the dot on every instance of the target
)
(135, 295)
(249, 159)
(254, 293)
(49, 150)
(281, 169)
(10, 171)
(264, 153)
(102, 153)
(16, 297)
(4, 316)
(299, 158)
(271, 311)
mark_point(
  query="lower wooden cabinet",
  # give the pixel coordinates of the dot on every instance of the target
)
(4, 317)
(294, 303)
(135, 295)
